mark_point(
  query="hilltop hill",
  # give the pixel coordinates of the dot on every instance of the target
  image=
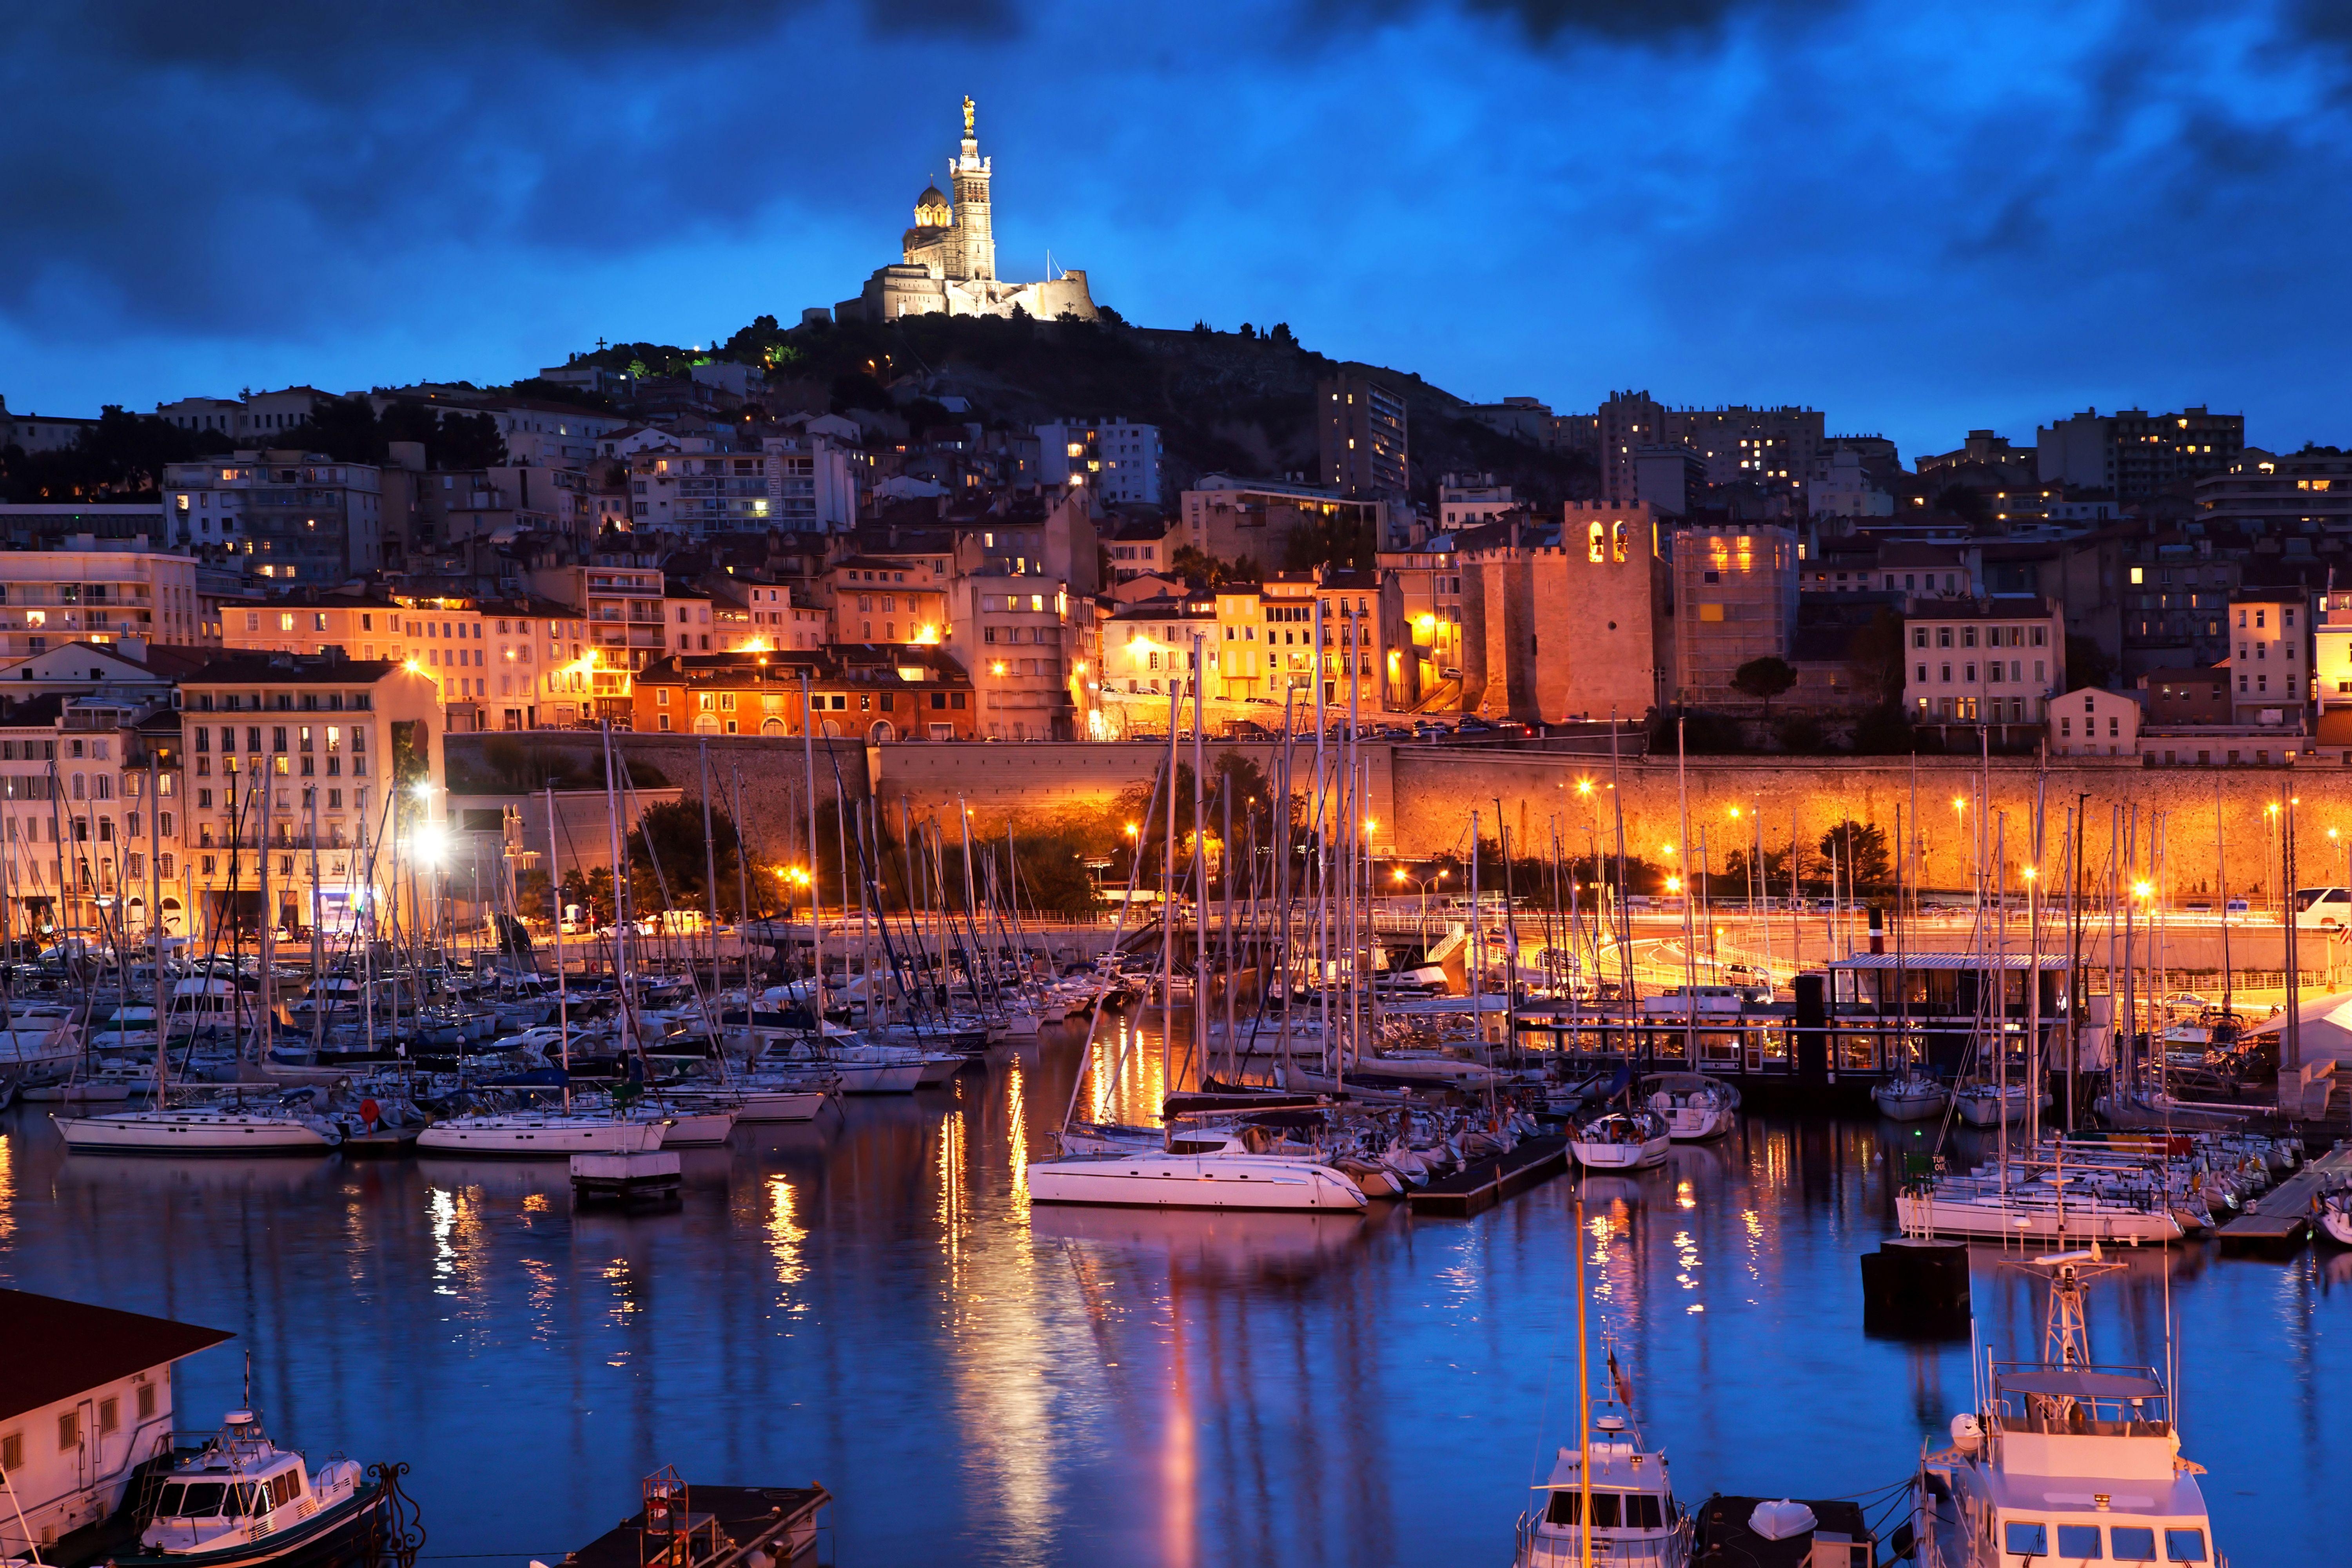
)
(1223, 401)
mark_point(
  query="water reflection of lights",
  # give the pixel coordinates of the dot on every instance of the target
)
(1685, 1196)
(1017, 1136)
(955, 1199)
(442, 1206)
(7, 1189)
(785, 1235)
(541, 1296)
(1686, 1260)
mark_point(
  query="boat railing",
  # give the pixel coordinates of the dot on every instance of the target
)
(1566, 1550)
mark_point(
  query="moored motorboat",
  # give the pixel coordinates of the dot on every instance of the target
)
(1634, 1517)
(241, 1502)
(2065, 1460)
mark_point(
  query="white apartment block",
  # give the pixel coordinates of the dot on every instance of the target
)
(2269, 655)
(1120, 460)
(48, 598)
(1984, 661)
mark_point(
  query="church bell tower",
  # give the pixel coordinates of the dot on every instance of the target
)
(975, 231)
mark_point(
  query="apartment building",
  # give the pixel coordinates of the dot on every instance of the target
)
(888, 598)
(624, 609)
(1141, 547)
(299, 772)
(1735, 589)
(1009, 631)
(1116, 459)
(298, 516)
(2133, 455)
(1421, 627)
(2094, 722)
(49, 597)
(1772, 448)
(1991, 660)
(1158, 647)
(2271, 655)
(873, 695)
(1360, 434)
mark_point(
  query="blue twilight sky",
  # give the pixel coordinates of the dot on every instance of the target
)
(1919, 216)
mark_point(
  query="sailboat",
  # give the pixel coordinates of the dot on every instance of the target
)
(2064, 1460)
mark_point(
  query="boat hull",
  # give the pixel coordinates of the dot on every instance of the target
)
(323, 1537)
(1939, 1215)
(1898, 1107)
(877, 1077)
(1159, 1180)
(538, 1137)
(697, 1129)
(780, 1104)
(189, 1134)
(1612, 1156)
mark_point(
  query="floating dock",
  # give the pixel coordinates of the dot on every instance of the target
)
(1484, 1183)
(2279, 1221)
(698, 1526)
(1727, 1533)
(651, 1176)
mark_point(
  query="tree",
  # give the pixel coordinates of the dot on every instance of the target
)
(1963, 501)
(1884, 732)
(1875, 656)
(2087, 664)
(1764, 678)
(678, 847)
(1197, 566)
(1860, 850)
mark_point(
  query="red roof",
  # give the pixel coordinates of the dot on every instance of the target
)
(82, 1347)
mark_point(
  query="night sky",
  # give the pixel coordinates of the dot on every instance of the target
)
(1919, 217)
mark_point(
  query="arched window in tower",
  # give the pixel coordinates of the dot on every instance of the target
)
(1596, 538)
(1621, 542)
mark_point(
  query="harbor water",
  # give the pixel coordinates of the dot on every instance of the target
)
(871, 1301)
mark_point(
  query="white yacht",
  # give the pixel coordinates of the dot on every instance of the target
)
(757, 1098)
(1623, 1141)
(1696, 1106)
(2045, 1205)
(1909, 1095)
(209, 1131)
(2065, 1462)
(242, 1501)
(1634, 1516)
(1980, 1104)
(544, 1134)
(1200, 1167)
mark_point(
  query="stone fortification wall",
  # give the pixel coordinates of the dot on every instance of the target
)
(1437, 788)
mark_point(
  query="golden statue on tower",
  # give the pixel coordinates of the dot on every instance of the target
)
(967, 114)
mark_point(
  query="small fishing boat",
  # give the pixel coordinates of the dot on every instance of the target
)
(1623, 1141)
(1696, 1106)
(1909, 1095)
(241, 1502)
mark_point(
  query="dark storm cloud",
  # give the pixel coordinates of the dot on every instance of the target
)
(174, 165)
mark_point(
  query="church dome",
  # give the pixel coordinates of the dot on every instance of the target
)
(931, 209)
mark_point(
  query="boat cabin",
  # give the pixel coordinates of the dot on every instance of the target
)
(240, 1478)
(84, 1399)
(1885, 1011)
(1634, 1516)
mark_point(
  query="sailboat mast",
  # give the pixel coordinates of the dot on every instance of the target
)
(154, 917)
(816, 880)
